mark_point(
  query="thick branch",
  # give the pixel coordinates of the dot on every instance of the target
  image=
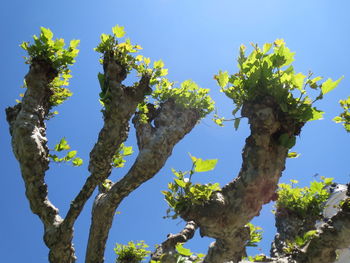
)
(168, 246)
(333, 235)
(29, 141)
(242, 199)
(156, 143)
(121, 106)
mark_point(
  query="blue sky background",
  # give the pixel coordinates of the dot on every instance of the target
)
(195, 39)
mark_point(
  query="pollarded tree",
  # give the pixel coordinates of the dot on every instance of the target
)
(266, 90)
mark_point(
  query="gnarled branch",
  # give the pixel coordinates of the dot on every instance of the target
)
(171, 124)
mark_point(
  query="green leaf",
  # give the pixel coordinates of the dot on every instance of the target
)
(46, 33)
(219, 122)
(71, 154)
(316, 79)
(147, 60)
(236, 123)
(267, 47)
(127, 150)
(104, 37)
(310, 234)
(293, 155)
(24, 45)
(298, 80)
(204, 165)
(77, 161)
(74, 43)
(316, 114)
(183, 251)
(62, 145)
(328, 180)
(158, 64)
(222, 78)
(329, 85)
(118, 31)
(337, 119)
(180, 183)
(101, 80)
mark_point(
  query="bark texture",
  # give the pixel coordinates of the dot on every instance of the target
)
(28, 130)
(156, 139)
(167, 248)
(118, 111)
(226, 214)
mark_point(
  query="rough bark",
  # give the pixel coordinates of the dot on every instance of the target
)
(156, 140)
(225, 215)
(289, 225)
(28, 130)
(167, 248)
(119, 109)
(333, 235)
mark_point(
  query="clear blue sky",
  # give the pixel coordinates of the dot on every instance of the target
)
(195, 39)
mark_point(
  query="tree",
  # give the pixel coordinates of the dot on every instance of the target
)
(266, 91)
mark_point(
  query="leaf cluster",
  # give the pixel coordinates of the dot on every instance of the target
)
(268, 72)
(70, 155)
(255, 235)
(305, 201)
(344, 117)
(54, 51)
(184, 253)
(299, 242)
(183, 193)
(132, 252)
(118, 160)
(188, 95)
(125, 54)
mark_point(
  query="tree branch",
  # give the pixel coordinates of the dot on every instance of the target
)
(240, 201)
(171, 124)
(168, 246)
(118, 111)
(28, 130)
(333, 235)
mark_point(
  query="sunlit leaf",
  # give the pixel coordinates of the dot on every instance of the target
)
(158, 64)
(329, 85)
(77, 161)
(46, 33)
(183, 251)
(267, 47)
(204, 165)
(293, 155)
(118, 31)
(222, 78)
(180, 183)
(127, 150)
(74, 43)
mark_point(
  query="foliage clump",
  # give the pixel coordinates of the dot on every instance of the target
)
(70, 155)
(125, 54)
(188, 95)
(118, 160)
(59, 58)
(183, 193)
(255, 233)
(270, 73)
(305, 201)
(344, 117)
(299, 242)
(132, 252)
